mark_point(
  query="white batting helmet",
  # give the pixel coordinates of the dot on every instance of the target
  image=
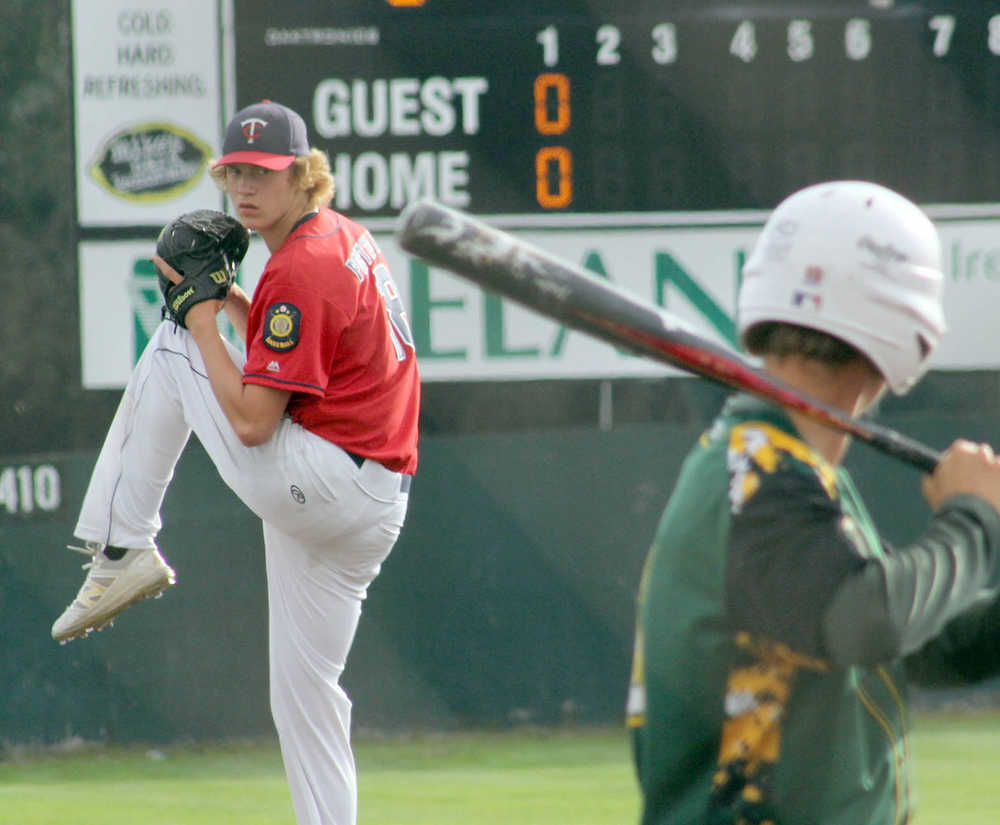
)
(857, 261)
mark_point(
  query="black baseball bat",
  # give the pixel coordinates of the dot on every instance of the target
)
(565, 292)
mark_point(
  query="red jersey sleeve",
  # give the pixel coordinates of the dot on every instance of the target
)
(293, 329)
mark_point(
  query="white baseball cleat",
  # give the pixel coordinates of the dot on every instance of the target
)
(110, 587)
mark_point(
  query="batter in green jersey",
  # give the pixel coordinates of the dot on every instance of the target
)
(776, 630)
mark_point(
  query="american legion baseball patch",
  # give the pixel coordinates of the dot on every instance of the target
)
(282, 325)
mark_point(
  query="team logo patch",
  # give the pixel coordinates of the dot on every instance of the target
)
(282, 325)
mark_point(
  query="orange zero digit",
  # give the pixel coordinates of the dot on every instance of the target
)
(554, 177)
(552, 120)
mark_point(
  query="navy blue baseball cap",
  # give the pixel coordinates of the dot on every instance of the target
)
(265, 134)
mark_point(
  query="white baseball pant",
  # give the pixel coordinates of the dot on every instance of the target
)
(328, 526)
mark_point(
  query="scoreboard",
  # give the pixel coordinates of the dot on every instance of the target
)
(643, 139)
(559, 110)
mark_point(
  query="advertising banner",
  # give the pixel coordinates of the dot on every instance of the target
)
(147, 108)
(464, 334)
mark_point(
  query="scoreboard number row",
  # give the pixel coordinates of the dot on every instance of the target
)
(744, 44)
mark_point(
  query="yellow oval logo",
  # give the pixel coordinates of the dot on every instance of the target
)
(150, 162)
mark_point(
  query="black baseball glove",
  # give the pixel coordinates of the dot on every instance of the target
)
(205, 247)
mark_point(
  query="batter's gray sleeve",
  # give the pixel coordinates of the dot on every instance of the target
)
(895, 605)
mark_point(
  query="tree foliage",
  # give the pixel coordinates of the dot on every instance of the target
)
(42, 405)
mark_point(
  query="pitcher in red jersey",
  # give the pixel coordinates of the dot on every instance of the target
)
(314, 427)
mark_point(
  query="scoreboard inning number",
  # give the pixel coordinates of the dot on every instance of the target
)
(744, 43)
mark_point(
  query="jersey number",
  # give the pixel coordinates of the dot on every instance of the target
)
(399, 323)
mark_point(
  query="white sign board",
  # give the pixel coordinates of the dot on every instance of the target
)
(464, 335)
(148, 109)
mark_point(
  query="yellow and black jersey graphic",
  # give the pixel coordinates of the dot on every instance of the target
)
(756, 447)
(635, 708)
(757, 694)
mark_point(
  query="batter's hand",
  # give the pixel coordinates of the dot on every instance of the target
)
(965, 468)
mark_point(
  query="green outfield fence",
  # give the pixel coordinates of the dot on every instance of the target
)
(508, 599)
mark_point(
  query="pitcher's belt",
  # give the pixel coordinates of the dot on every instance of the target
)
(404, 482)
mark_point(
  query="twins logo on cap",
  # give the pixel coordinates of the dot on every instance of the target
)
(252, 128)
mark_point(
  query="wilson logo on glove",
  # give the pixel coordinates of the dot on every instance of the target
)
(178, 300)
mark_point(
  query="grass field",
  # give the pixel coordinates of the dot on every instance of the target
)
(581, 777)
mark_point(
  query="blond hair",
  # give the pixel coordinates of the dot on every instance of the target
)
(310, 172)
